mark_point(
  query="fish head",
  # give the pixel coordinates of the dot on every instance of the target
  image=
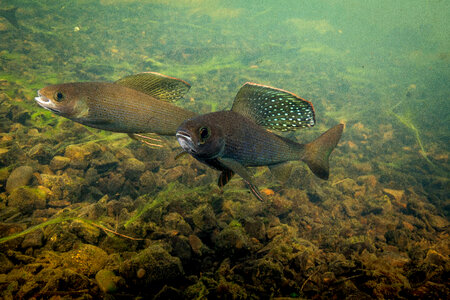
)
(67, 100)
(201, 137)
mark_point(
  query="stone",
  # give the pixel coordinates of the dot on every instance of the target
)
(196, 244)
(176, 222)
(5, 264)
(19, 177)
(27, 199)
(107, 280)
(34, 239)
(106, 162)
(256, 229)
(86, 259)
(158, 264)
(180, 247)
(87, 232)
(435, 258)
(204, 218)
(396, 195)
(148, 182)
(133, 168)
(41, 152)
(232, 239)
(59, 163)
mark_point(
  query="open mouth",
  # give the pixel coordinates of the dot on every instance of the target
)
(46, 103)
(185, 141)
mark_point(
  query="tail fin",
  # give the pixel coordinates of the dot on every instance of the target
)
(318, 151)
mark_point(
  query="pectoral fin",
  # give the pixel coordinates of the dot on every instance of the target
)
(224, 177)
(157, 85)
(239, 169)
(147, 139)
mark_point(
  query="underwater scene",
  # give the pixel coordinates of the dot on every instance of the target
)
(212, 149)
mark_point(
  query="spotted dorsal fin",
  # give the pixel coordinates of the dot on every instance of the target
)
(157, 85)
(273, 108)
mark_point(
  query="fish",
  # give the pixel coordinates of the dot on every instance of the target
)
(230, 141)
(139, 103)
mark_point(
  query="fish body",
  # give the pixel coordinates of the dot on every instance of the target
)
(135, 104)
(236, 137)
(231, 141)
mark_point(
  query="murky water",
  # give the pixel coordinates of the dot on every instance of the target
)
(86, 212)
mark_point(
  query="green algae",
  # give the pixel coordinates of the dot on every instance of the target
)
(36, 227)
(406, 120)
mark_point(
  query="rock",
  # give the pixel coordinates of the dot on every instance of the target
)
(59, 163)
(27, 199)
(435, 258)
(180, 247)
(133, 168)
(41, 152)
(7, 229)
(351, 207)
(158, 264)
(59, 238)
(196, 244)
(19, 177)
(87, 232)
(168, 292)
(204, 218)
(78, 156)
(396, 195)
(148, 182)
(106, 162)
(256, 229)
(4, 174)
(87, 259)
(174, 174)
(5, 264)
(111, 184)
(114, 208)
(176, 222)
(232, 239)
(107, 281)
(34, 239)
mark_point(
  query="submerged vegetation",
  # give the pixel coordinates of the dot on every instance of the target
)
(86, 213)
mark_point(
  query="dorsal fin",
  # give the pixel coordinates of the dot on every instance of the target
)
(273, 108)
(157, 85)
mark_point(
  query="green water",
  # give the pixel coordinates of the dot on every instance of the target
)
(380, 67)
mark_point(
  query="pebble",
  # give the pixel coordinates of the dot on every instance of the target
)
(106, 280)
(59, 163)
(27, 199)
(19, 177)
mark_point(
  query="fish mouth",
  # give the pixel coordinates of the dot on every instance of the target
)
(185, 141)
(46, 103)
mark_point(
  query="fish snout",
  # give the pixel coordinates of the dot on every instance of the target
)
(185, 141)
(46, 102)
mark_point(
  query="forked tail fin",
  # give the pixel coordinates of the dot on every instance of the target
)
(318, 151)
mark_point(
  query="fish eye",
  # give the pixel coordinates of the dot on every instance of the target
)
(58, 96)
(204, 134)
